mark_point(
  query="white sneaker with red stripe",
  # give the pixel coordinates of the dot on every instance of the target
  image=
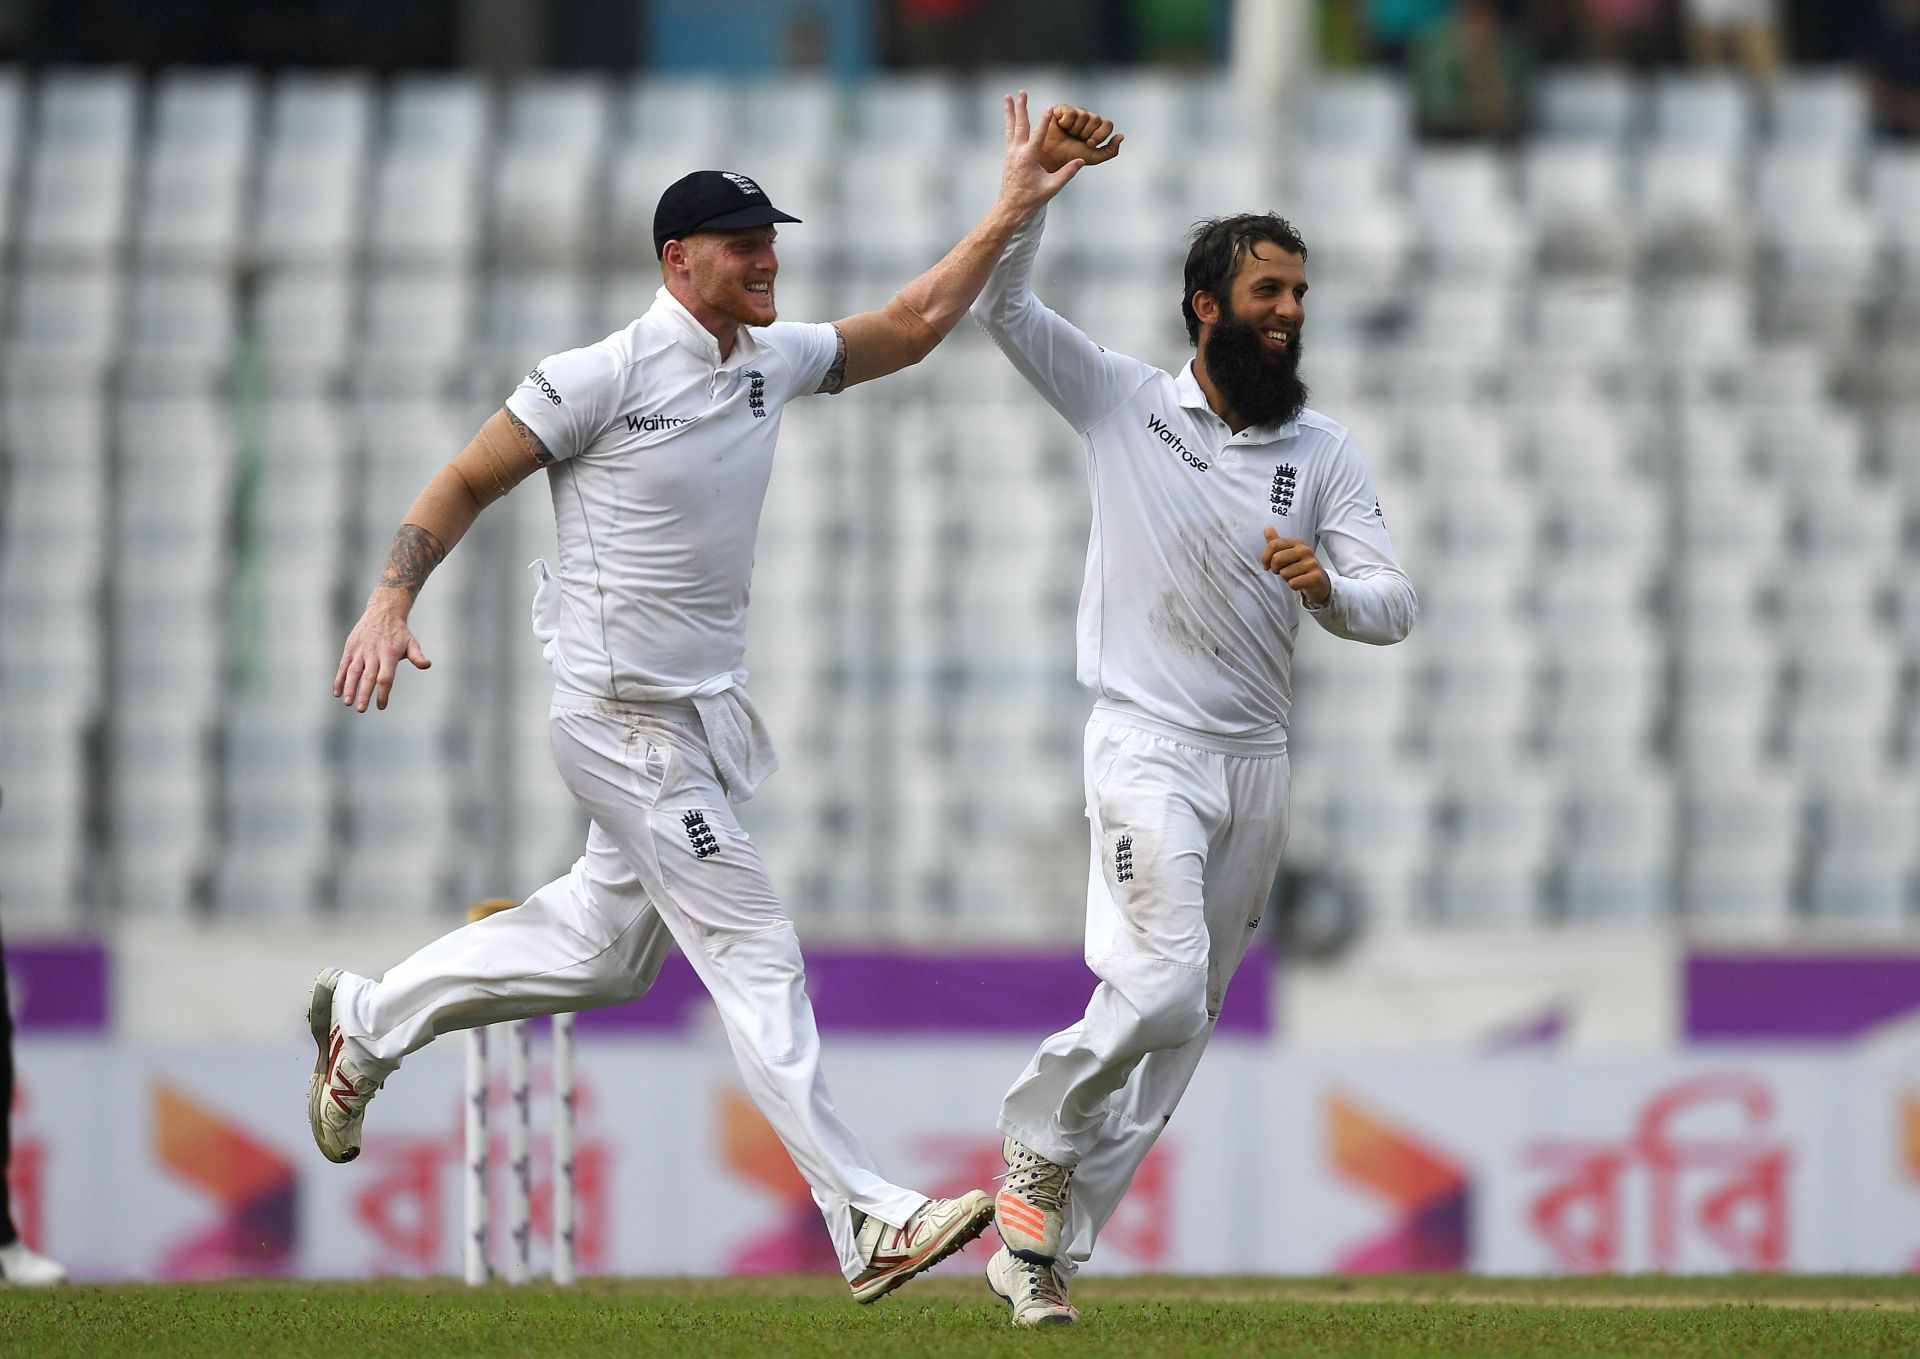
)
(1037, 1292)
(1030, 1211)
(338, 1092)
(895, 1254)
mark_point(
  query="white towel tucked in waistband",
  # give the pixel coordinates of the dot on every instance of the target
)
(737, 738)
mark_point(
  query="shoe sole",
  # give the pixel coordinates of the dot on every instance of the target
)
(319, 1024)
(961, 1237)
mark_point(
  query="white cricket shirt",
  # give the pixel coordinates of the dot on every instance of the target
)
(662, 452)
(1178, 622)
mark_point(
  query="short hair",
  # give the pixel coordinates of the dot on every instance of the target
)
(1214, 256)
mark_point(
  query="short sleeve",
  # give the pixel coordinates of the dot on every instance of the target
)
(566, 398)
(808, 349)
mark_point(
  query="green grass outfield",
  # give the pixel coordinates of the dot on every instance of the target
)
(769, 1318)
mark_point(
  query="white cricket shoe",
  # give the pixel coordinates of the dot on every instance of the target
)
(28, 1268)
(1037, 1292)
(937, 1230)
(338, 1092)
(1031, 1209)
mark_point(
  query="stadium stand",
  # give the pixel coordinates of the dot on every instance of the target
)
(1632, 391)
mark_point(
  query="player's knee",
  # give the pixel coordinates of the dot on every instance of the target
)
(1176, 1014)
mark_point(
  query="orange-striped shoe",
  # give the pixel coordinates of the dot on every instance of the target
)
(896, 1254)
(1030, 1211)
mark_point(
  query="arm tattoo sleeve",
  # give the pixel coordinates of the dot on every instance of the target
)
(530, 441)
(836, 377)
(411, 559)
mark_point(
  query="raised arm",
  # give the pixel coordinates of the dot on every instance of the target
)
(502, 455)
(1040, 161)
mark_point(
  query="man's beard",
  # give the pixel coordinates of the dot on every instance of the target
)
(1261, 387)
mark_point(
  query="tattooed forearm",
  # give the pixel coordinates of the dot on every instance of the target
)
(836, 377)
(529, 440)
(411, 559)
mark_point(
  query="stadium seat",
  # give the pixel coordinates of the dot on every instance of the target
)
(67, 326)
(193, 200)
(45, 772)
(1465, 215)
(1864, 865)
(1740, 844)
(1826, 112)
(1618, 860)
(1357, 231)
(918, 110)
(1894, 192)
(1577, 209)
(79, 181)
(1493, 853)
(1708, 111)
(1380, 834)
(1692, 210)
(180, 330)
(1810, 217)
(895, 205)
(313, 170)
(1583, 321)
(15, 146)
(535, 313)
(1365, 113)
(1587, 105)
(546, 182)
(789, 114)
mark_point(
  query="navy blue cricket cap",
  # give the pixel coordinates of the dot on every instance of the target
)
(711, 200)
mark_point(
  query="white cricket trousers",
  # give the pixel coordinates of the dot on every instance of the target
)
(666, 863)
(1186, 843)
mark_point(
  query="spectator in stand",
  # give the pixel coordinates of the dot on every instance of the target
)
(1394, 26)
(1471, 76)
(1743, 33)
(1631, 31)
(941, 32)
(1890, 62)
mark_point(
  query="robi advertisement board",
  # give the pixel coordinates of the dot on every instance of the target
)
(182, 1164)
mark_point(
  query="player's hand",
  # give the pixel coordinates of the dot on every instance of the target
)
(1069, 133)
(374, 650)
(1028, 179)
(1293, 561)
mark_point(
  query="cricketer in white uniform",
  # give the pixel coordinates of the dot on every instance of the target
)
(658, 443)
(1206, 484)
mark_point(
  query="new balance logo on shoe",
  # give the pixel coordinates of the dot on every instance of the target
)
(895, 1254)
(700, 835)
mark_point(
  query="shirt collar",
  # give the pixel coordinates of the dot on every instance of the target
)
(680, 323)
(1192, 397)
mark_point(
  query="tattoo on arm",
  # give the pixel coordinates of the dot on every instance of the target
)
(411, 559)
(529, 440)
(836, 378)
